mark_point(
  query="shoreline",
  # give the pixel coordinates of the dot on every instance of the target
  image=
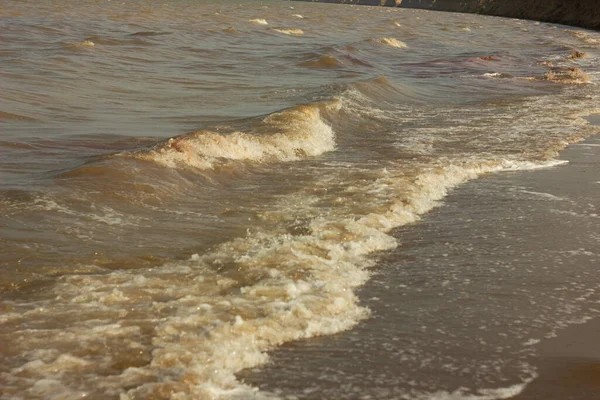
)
(582, 13)
(563, 353)
(569, 364)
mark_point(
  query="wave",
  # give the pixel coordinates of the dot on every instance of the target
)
(586, 37)
(10, 116)
(292, 31)
(567, 75)
(150, 33)
(82, 44)
(563, 75)
(391, 42)
(259, 21)
(323, 61)
(289, 135)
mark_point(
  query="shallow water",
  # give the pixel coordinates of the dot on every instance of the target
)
(474, 302)
(186, 185)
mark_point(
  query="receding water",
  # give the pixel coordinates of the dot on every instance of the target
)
(186, 185)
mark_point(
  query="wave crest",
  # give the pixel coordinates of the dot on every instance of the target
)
(391, 42)
(291, 31)
(323, 61)
(292, 134)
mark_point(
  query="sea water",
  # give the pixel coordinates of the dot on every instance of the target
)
(187, 185)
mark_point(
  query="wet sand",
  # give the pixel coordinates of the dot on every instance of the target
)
(512, 218)
(569, 364)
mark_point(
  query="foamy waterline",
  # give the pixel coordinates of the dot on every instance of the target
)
(303, 287)
(333, 255)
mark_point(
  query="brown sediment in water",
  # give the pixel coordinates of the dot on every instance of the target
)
(566, 75)
(489, 58)
(578, 54)
(326, 61)
(585, 37)
(11, 116)
(484, 58)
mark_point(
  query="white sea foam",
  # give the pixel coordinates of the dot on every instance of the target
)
(515, 165)
(259, 21)
(293, 31)
(544, 195)
(482, 394)
(102, 214)
(587, 144)
(575, 214)
(391, 42)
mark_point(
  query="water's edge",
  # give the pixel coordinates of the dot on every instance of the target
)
(565, 357)
(583, 13)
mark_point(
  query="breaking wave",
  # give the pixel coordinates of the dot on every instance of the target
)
(289, 135)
